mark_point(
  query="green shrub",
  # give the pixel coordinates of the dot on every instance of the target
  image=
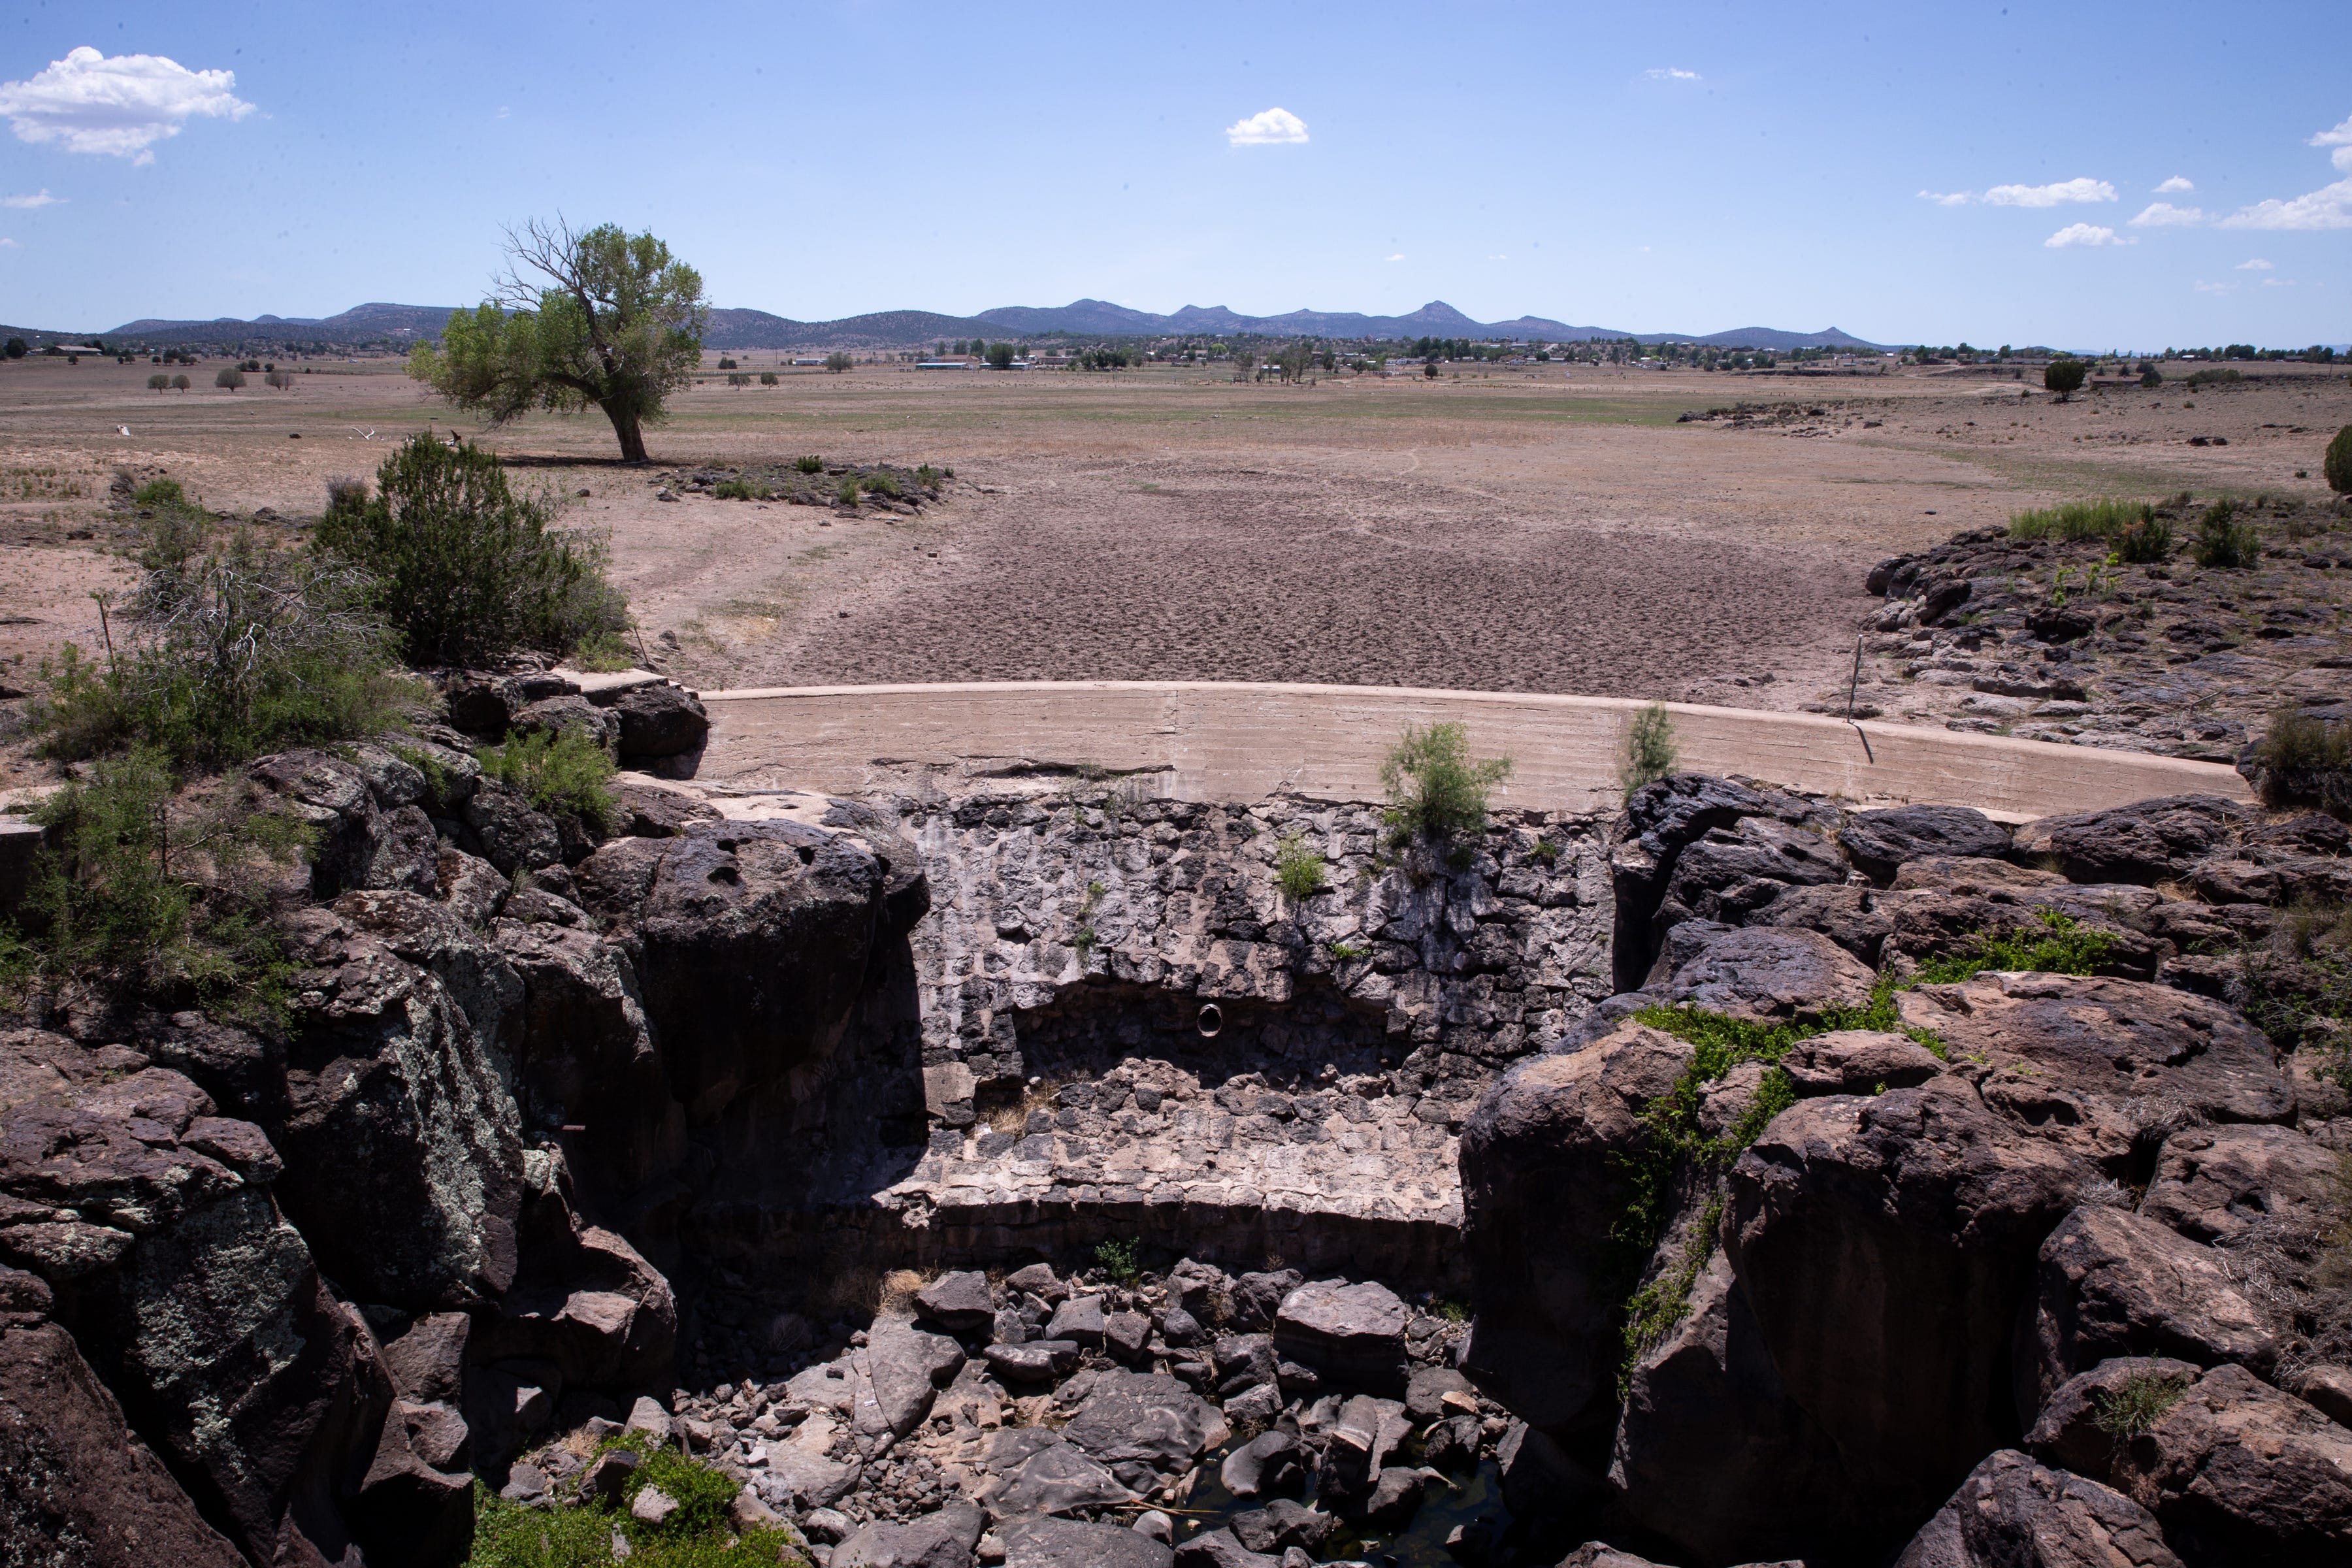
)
(2305, 759)
(228, 649)
(228, 378)
(604, 653)
(160, 493)
(566, 773)
(2065, 377)
(2073, 521)
(2137, 1403)
(927, 477)
(2147, 542)
(767, 378)
(837, 361)
(1435, 790)
(1298, 866)
(159, 381)
(579, 1534)
(811, 463)
(2224, 542)
(1650, 753)
(735, 490)
(2337, 467)
(149, 892)
(882, 484)
(1119, 1259)
(2214, 377)
(467, 570)
(847, 492)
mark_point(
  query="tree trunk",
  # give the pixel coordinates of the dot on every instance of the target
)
(625, 426)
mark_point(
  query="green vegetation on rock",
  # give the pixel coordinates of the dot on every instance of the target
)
(565, 773)
(1650, 751)
(2063, 946)
(582, 1534)
(1436, 791)
(1298, 866)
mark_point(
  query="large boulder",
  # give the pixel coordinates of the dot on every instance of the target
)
(2116, 1284)
(403, 1144)
(2240, 1472)
(660, 721)
(1544, 1185)
(941, 1539)
(1880, 842)
(1352, 1334)
(2145, 842)
(1128, 1417)
(1758, 971)
(192, 1298)
(2092, 1064)
(2011, 1512)
(2224, 1184)
(1710, 1451)
(1661, 821)
(1884, 1245)
(76, 1486)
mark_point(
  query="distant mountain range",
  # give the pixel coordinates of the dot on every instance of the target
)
(383, 326)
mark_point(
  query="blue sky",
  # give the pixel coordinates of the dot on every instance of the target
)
(1900, 171)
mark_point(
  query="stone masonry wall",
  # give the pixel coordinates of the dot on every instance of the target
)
(1129, 1031)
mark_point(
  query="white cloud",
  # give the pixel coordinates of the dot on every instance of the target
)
(1503, 258)
(2256, 265)
(120, 105)
(1398, 257)
(1270, 126)
(40, 199)
(2164, 215)
(2084, 189)
(2075, 234)
(8, 245)
(1670, 73)
(2330, 206)
(2205, 288)
(2278, 282)
(1947, 199)
(2177, 183)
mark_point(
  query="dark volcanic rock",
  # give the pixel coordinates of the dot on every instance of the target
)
(2088, 1062)
(1270, 1462)
(2217, 1184)
(2071, 1432)
(1544, 1181)
(1884, 1245)
(2010, 1512)
(1757, 972)
(2116, 1284)
(1147, 1418)
(660, 721)
(1353, 1334)
(2145, 842)
(959, 1301)
(76, 1486)
(2240, 1472)
(941, 1539)
(1075, 1543)
(1881, 841)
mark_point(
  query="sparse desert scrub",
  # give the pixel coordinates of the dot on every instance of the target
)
(1435, 790)
(2072, 521)
(1650, 753)
(2222, 542)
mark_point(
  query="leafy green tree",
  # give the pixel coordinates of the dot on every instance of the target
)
(837, 361)
(598, 319)
(2065, 377)
(1000, 356)
(16, 348)
(227, 377)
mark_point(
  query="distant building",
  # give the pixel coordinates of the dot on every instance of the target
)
(810, 359)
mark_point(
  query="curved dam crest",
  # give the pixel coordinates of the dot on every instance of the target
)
(1240, 742)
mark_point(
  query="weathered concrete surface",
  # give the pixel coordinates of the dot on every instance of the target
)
(1245, 742)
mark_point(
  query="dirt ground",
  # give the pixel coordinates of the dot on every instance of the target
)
(1543, 530)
